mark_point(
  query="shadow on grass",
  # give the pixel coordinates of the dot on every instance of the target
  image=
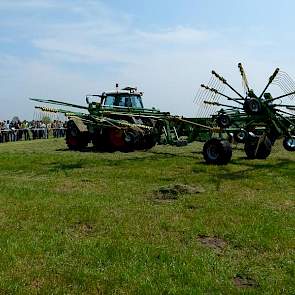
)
(84, 150)
(170, 155)
(55, 167)
(282, 166)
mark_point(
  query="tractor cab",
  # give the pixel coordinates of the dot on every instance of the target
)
(127, 97)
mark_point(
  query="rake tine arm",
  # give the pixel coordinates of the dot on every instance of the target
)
(284, 105)
(271, 78)
(52, 110)
(220, 104)
(225, 83)
(217, 92)
(244, 77)
(56, 102)
(285, 118)
(284, 112)
(281, 96)
(44, 109)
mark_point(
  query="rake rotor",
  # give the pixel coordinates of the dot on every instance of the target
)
(261, 115)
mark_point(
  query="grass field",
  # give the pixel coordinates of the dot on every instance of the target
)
(156, 222)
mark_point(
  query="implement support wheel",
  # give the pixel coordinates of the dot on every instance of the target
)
(289, 143)
(255, 148)
(223, 121)
(217, 151)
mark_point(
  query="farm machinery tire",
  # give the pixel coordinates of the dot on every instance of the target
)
(223, 121)
(240, 136)
(75, 139)
(257, 149)
(217, 152)
(289, 143)
(252, 106)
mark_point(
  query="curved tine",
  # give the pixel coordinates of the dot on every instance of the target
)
(285, 82)
(284, 88)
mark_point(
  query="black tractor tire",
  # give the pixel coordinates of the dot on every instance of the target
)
(75, 139)
(253, 151)
(223, 121)
(289, 143)
(150, 141)
(99, 140)
(76, 143)
(217, 151)
(130, 139)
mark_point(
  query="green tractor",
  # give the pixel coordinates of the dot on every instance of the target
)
(115, 121)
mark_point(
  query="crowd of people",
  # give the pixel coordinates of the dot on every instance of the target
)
(29, 130)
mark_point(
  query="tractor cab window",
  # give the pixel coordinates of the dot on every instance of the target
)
(119, 101)
(109, 101)
(128, 101)
(136, 101)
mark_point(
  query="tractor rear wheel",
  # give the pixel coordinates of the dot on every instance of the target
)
(217, 151)
(115, 139)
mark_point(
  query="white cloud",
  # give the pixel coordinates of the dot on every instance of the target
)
(30, 4)
(79, 52)
(179, 35)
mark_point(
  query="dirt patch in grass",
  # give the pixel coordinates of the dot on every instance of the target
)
(287, 205)
(70, 186)
(84, 228)
(67, 187)
(37, 284)
(215, 243)
(172, 192)
(81, 230)
(244, 282)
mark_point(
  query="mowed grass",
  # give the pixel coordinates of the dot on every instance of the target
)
(93, 223)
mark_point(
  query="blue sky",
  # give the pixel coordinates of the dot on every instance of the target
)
(64, 49)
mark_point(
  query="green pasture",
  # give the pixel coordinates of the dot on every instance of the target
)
(155, 222)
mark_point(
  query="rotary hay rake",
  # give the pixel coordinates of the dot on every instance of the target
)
(257, 121)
